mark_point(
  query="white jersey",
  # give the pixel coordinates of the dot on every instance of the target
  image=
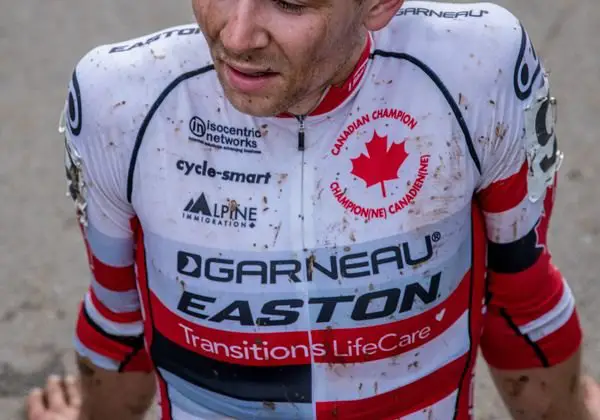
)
(323, 266)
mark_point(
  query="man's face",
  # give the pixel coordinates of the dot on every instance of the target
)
(273, 56)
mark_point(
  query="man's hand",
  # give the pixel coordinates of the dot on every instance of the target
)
(591, 397)
(97, 394)
(61, 400)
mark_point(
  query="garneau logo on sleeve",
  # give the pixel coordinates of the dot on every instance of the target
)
(417, 11)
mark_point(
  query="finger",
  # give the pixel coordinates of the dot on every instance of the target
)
(55, 393)
(35, 404)
(591, 395)
(73, 391)
(590, 387)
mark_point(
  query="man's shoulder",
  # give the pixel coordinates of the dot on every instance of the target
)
(131, 74)
(478, 51)
(441, 19)
(480, 42)
(161, 45)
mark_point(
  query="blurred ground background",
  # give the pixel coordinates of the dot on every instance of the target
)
(42, 267)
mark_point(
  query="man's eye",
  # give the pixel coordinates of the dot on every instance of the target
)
(289, 7)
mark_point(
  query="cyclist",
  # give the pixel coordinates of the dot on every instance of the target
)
(319, 209)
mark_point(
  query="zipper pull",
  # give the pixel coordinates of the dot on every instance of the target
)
(301, 134)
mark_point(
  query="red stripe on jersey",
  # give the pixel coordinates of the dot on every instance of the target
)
(116, 279)
(164, 402)
(399, 402)
(350, 345)
(505, 194)
(528, 295)
(336, 95)
(562, 343)
(504, 348)
(233, 347)
(357, 345)
(137, 361)
(142, 280)
(119, 317)
(98, 342)
(476, 299)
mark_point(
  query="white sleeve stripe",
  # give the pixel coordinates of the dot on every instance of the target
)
(96, 358)
(554, 319)
(110, 327)
(114, 252)
(118, 302)
(513, 224)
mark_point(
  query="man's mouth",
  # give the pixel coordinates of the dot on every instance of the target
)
(251, 72)
(248, 79)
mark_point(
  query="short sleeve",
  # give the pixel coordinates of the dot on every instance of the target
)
(110, 325)
(531, 319)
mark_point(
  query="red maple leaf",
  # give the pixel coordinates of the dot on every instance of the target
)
(380, 164)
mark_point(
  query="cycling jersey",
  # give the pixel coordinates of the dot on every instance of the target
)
(345, 264)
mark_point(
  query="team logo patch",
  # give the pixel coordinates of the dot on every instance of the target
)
(398, 169)
(543, 156)
(527, 69)
(74, 118)
(227, 137)
(224, 213)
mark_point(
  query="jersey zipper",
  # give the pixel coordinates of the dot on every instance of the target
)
(304, 253)
(301, 135)
(301, 148)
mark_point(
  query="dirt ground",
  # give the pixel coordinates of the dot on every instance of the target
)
(43, 272)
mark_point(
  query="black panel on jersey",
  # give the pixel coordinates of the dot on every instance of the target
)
(150, 115)
(447, 95)
(516, 256)
(250, 383)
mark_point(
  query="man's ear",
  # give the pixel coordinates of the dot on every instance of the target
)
(378, 13)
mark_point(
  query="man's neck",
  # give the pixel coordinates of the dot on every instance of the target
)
(306, 106)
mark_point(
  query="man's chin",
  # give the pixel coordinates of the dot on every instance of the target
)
(255, 106)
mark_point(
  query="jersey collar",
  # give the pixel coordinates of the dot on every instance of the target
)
(335, 96)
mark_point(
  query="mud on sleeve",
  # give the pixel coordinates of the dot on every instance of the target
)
(531, 319)
(109, 328)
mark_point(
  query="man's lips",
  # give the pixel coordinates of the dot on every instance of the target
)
(250, 80)
(250, 71)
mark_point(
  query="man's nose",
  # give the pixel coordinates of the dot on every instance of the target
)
(243, 31)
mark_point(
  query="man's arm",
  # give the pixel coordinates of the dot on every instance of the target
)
(531, 337)
(114, 395)
(116, 374)
(543, 393)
